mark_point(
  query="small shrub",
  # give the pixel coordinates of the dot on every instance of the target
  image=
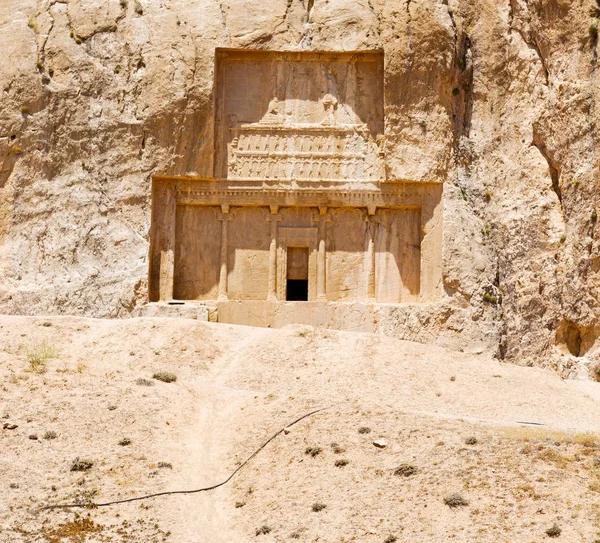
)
(563, 238)
(33, 437)
(144, 382)
(125, 441)
(239, 505)
(47, 324)
(50, 434)
(364, 430)
(32, 23)
(453, 378)
(77, 40)
(594, 33)
(341, 463)
(597, 372)
(455, 500)
(490, 298)
(553, 531)
(25, 110)
(405, 470)
(313, 451)
(165, 377)
(165, 465)
(123, 4)
(80, 464)
(317, 506)
(487, 195)
(461, 65)
(471, 440)
(594, 216)
(335, 447)
(263, 530)
(455, 91)
(390, 539)
(575, 181)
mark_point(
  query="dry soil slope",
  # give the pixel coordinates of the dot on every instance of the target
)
(235, 387)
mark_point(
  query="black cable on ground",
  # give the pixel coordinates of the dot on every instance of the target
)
(194, 491)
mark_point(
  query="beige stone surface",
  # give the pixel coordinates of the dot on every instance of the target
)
(494, 99)
(236, 386)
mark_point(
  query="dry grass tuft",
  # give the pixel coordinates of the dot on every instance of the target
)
(38, 354)
(76, 530)
(335, 447)
(263, 530)
(405, 470)
(165, 376)
(455, 500)
(81, 464)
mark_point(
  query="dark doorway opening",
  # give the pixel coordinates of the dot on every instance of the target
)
(297, 290)
(297, 274)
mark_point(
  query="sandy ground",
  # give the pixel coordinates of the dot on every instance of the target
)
(515, 443)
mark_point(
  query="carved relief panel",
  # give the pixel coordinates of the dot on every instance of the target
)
(299, 116)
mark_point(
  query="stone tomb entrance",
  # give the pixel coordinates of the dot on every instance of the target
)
(297, 274)
(298, 210)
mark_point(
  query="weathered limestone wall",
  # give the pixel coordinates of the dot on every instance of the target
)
(197, 251)
(396, 235)
(495, 98)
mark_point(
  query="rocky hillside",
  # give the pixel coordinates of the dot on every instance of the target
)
(495, 98)
(412, 444)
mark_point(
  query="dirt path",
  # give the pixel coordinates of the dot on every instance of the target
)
(217, 407)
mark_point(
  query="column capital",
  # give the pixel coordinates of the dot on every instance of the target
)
(323, 218)
(224, 216)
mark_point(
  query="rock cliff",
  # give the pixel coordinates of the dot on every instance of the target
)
(495, 98)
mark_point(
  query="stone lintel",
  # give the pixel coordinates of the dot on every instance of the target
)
(208, 192)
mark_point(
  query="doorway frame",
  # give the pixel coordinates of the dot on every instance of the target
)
(291, 236)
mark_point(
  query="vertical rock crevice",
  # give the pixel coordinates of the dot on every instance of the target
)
(553, 166)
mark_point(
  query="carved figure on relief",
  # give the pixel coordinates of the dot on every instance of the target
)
(272, 115)
(330, 104)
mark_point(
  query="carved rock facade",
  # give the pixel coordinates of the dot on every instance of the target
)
(299, 208)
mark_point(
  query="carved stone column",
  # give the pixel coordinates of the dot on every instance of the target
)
(323, 219)
(273, 218)
(224, 217)
(162, 241)
(371, 225)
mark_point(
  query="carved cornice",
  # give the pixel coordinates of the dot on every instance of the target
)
(204, 191)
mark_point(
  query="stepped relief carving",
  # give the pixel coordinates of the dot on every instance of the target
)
(303, 117)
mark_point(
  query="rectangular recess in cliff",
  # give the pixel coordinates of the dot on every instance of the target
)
(299, 115)
(299, 209)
